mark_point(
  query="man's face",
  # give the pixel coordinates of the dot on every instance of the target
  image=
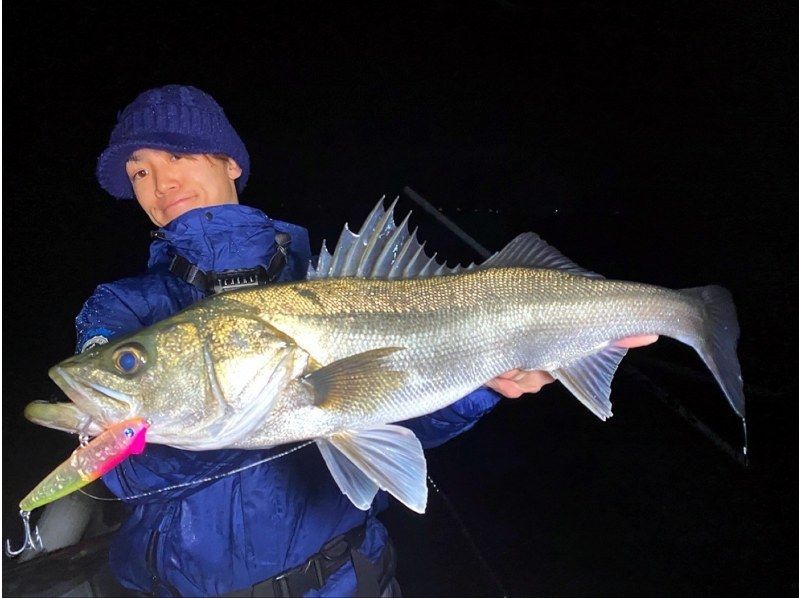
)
(167, 184)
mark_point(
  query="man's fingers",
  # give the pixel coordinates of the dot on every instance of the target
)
(631, 342)
(508, 388)
(514, 383)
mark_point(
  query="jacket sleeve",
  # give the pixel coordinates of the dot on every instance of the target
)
(440, 426)
(109, 312)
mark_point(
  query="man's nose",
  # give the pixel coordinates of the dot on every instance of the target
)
(166, 180)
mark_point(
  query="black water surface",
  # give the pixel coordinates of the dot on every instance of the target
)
(647, 144)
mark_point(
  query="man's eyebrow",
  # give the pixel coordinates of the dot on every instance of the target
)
(134, 157)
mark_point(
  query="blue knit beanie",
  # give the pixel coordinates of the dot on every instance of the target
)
(175, 118)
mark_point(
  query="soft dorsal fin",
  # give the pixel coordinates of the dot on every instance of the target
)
(381, 249)
(530, 250)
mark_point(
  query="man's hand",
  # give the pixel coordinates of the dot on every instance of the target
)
(513, 384)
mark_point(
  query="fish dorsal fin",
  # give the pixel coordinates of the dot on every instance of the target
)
(380, 249)
(590, 379)
(531, 251)
(383, 249)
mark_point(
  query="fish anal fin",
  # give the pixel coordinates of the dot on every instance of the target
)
(361, 376)
(388, 456)
(590, 379)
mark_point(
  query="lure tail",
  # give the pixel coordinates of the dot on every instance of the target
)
(86, 464)
(89, 462)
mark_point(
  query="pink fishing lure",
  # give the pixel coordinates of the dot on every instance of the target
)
(89, 462)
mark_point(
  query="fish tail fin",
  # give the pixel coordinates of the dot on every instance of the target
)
(716, 344)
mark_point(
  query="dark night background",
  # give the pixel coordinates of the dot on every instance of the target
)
(656, 145)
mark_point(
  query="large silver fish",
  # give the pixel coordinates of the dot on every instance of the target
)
(377, 334)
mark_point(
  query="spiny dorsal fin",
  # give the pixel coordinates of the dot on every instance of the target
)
(381, 249)
(530, 250)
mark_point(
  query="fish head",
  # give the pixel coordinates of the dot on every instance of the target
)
(202, 379)
(136, 375)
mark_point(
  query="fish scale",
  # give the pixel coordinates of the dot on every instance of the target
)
(476, 318)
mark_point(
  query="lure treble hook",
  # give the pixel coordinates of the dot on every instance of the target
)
(30, 542)
(83, 427)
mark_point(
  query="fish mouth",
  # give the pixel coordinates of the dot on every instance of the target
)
(65, 416)
(105, 405)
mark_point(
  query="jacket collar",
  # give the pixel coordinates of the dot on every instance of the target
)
(226, 237)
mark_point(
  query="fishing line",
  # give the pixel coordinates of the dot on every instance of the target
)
(468, 537)
(203, 481)
(450, 508)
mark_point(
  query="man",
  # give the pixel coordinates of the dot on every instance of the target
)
(280, 528)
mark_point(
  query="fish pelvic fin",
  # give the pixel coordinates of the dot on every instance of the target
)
(590, 379)
(359, 377)
(386, 457)
(353, 482)
(717, 343)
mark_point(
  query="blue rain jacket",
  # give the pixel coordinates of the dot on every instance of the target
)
(240, 529)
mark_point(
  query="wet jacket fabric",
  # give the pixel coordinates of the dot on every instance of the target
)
(237, 530)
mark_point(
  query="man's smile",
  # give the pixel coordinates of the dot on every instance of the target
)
(175, 202)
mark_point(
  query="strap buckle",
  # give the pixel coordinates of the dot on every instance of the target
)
(236, 279)
(227, 280)
(315, 572)
(183, 268)
(298, 581)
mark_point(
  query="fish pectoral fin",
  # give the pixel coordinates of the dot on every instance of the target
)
(590, 379)
(388, 457)
(358, 377)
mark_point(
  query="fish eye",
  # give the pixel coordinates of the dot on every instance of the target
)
(129, 359)
(128, 432)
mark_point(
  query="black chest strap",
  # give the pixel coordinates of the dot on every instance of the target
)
(226, 280)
